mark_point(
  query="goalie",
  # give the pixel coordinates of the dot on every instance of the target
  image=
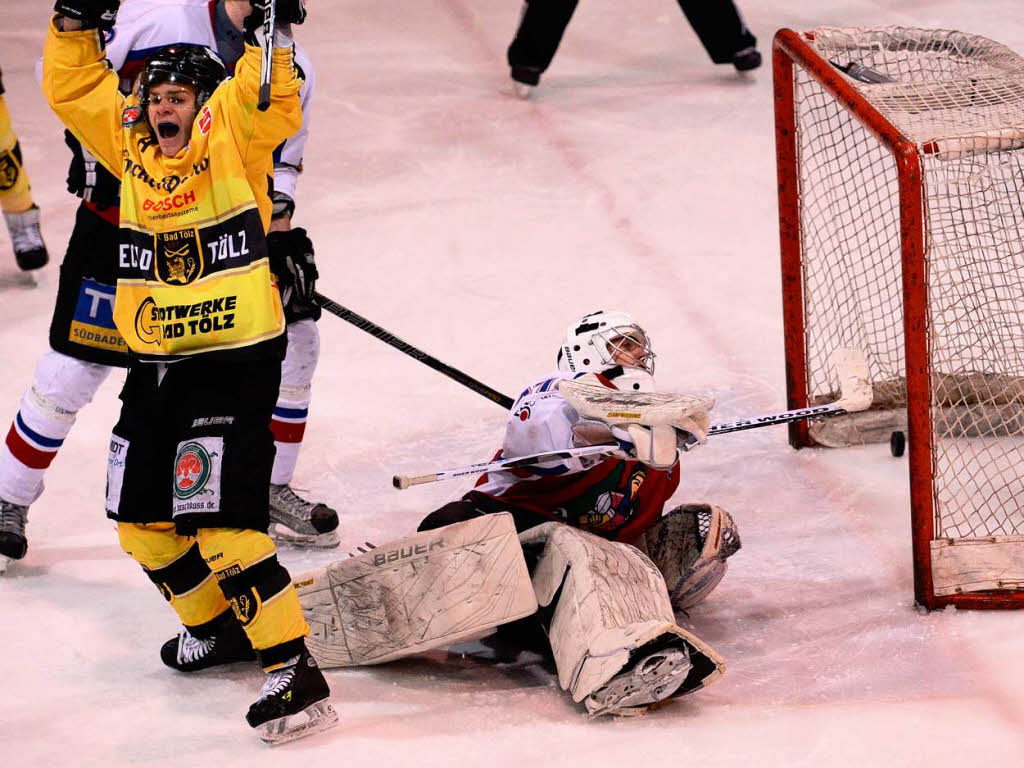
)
(606, 608)
(620, 498)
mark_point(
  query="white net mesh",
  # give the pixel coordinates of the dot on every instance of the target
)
(960, 98)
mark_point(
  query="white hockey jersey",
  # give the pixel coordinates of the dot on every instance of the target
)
(617, 498)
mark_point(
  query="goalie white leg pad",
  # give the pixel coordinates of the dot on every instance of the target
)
(690, 545)
(609, 613)
(430, 590)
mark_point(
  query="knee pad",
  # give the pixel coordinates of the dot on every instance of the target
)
(259, 589)
(175, 565)
(65, 385)
(690, 545)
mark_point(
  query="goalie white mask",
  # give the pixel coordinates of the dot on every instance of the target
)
(602, 342)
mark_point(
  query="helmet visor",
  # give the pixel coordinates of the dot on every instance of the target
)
(629, 347)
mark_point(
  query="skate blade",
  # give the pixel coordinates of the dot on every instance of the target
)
(522, 90)
(4, 562)
(653, 679)
(319, 717)
(284, 535)
(21, 279)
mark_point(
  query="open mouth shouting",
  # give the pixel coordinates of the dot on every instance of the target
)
(168, 130)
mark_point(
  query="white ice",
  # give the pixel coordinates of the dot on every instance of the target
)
(476, 226)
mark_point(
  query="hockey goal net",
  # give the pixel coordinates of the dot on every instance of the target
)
(901, 190)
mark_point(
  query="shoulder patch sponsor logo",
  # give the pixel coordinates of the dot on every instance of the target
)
(131, 116)
(205, 120)
(93, 321)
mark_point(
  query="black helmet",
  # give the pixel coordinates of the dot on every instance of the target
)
(194, 65)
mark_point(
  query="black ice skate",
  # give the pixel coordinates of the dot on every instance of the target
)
(296, 521)
(29, 249)
(13, 544)
(747, 59)
(293, 703)
(653, 677)
(188, 653)
(524, 80)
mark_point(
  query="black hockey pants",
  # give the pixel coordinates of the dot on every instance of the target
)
(717, 23)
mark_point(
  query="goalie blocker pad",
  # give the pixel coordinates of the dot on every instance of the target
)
(606, 600)
(430, 590)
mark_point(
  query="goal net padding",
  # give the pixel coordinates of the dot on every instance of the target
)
(902, 231)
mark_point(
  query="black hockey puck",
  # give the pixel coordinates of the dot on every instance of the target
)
(897, 444)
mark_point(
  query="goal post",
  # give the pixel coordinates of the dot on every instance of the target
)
(901, 213)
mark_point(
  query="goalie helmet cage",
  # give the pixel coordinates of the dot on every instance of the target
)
(901, 209)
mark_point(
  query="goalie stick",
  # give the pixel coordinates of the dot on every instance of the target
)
(855, 395)
(267, 56)
(401, 482)
(389, 338)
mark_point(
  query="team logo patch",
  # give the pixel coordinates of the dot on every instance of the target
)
(197, 475)
(205, 120)
(165, 591)
(10, 170)
(131, 116)
(523, 413)
(192, 468)
(179, 260)
(247, 606)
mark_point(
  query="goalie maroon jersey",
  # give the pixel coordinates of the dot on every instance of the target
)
(615, 498)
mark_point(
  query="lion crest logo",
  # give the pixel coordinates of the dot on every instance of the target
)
(178, 257)
(181, 267)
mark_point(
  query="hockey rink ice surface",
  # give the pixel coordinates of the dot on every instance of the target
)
(477, 227)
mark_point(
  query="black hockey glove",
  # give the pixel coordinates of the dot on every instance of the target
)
(88, 179)
(291, 260)
(286, 12)
(92, 13)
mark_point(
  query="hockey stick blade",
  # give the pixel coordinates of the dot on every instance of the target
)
(855, 392)
(401, 482)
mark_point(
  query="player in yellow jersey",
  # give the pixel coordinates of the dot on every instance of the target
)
(20, 213)
(191, 454)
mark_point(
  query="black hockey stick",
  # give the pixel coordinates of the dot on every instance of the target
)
(267, 56)
(387, 337)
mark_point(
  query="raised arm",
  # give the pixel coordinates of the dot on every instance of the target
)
(78, 81)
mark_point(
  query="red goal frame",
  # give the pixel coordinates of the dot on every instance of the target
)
(791, 49)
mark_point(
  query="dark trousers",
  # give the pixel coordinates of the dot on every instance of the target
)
(717, 23)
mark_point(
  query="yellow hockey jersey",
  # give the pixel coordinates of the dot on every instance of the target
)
(193, 274)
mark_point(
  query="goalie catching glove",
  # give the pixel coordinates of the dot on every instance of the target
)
(650, 427)
(291, 261)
